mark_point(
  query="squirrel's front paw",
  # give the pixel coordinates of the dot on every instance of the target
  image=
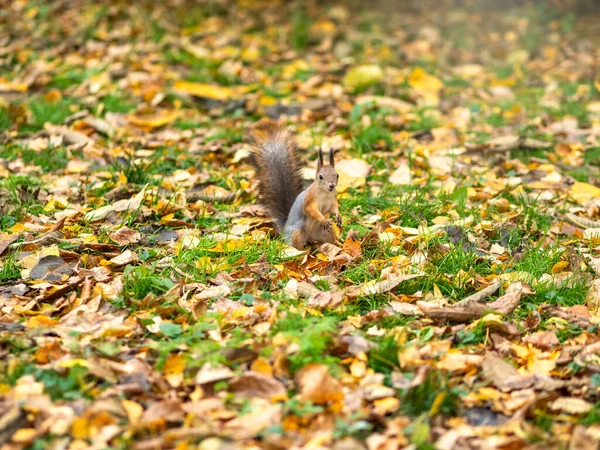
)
(326, 225)
(338, 220)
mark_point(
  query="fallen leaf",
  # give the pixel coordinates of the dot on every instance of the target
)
(571, 405)
(582, 193)
(211, 91)
(390, 103)
(361, 77)
(317, 385)
(353, 173)
(155, 120)
(254, 384)
(127, 257)
(401, 176)
(504, 375)
(542, 339)
(132, 204)
(209, 374)
(125, 236)
(52, 268)
(378, 287)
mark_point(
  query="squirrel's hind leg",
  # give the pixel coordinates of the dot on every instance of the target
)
(298, 239)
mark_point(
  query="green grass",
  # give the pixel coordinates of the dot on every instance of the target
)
(21, 193)
(420, 400)
(117, 103)
(138, 282)
(313, 336)
(50, 159)
(74, 384)
(300, 28)
(5, 121)
(9, 268)
(43, 111)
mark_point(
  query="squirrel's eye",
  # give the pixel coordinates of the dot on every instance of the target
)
(338, 177)
(320, 177)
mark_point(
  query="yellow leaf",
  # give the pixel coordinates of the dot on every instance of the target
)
(24, 435)
(584, 192)
(362, 77)
(157, 120)
(40, 322)
(55, 203)
(261, 365)
(437, 403)
(422, 81)
(13, 87)
(134, 410)
(80, 428)
(228, 246)
(313, 312)
(167, 218)
(204, 90)
(267, 100)
(73, 362)
(559, 266)
(89, 239)
(173, 368)
(541, 366)
(122, 178)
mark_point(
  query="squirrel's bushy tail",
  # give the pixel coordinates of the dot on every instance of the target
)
(277, 169)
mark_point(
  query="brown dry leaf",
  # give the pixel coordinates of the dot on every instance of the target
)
(126, 236)
(378, 287)
(6, 240)
(474, 310)
(352, 247)
(543, 339)
(209, 374)
(167, 410)
(455, 361)
(385, 102)
(325, 299)
(250, 425)
(52, 268)
(571, 405)
(255, 384)
(511, 299)
(503, 375)
(132, 204)
(125, 258)
(317, 385)
(215, 194)
(480, 295)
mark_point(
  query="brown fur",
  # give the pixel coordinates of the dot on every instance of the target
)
(278, 169)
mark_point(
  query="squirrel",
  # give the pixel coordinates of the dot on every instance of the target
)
(300, 214)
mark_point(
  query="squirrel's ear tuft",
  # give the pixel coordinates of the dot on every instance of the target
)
(320, 163)
(331, 157)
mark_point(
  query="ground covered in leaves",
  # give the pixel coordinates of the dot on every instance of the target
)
(147, 303)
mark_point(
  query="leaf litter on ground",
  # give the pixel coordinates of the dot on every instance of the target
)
(146, 301)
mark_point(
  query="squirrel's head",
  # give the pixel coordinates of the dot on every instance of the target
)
(327, 177)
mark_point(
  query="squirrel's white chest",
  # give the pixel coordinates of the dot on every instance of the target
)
(325, 200)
